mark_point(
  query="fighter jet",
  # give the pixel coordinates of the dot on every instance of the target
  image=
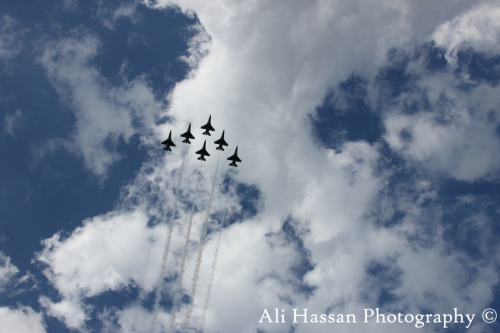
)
(203, 152)
(168, 142)
(208, 127)
(221, 142)
(188, 135)
(234, 158)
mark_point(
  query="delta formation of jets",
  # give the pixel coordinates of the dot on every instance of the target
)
(203, 151)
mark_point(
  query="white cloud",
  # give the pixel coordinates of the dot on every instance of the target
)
(115, 233)
(7, 271)
(22, 320)
(198, 48)
(457, 136)
(269, 65)
(104, 113)
(107, 253)
(478, 28)
(71, 311)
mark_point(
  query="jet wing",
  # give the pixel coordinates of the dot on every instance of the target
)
(234, 158)
(187, 135)
(203, 151)
(221, 141)
(208, 127)
(168, 142)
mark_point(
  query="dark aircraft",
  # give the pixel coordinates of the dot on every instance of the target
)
(203, 152)
(169, 143)
(221, 142)
(234, 158)
(188, 135)
(208, 127)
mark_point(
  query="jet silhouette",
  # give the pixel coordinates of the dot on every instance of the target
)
(221, 142)
(169, 143)
(208, 127)
(203, 152)
(188, 135)
(234, 158)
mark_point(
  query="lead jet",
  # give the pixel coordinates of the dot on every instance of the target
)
(221, 142)
(169, 143)
(208, 127)
(203, 152)
(234, 158)
(188, 135)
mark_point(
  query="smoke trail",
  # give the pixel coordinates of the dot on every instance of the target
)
(150, 241)
(186, 243)
(200, 252)
(214, 263)
(166, 250)
(210, 282)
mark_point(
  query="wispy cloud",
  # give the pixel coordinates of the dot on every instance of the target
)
(10, 41)
(21, 318)
(105, 114)
(12, 121)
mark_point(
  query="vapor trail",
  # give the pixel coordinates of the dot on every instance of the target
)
(166, 250)
(196, 274)
(147, 260)
(184, 252)
(211, 281)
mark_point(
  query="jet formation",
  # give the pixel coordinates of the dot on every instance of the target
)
(203, 151)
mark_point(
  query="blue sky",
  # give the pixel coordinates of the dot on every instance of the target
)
(369, 136)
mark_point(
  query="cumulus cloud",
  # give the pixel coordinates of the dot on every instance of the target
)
(121, 244)
(22, 320)
(477, 29)
(326, 233)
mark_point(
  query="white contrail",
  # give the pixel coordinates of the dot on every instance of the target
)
(166, 250)
(200, 252)
(214, 263)
(150, 241)
(184, 253)
(210, 282)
